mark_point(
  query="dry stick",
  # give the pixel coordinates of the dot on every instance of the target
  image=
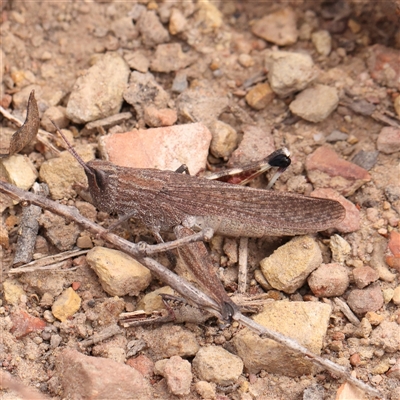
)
(345, 309)
(178, 283)
(106, 333)
(29, 229)
(50, 262)
(242, 276)
(42, 135)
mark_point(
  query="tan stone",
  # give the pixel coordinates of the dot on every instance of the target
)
(18, 170)
(13, 291)
(66, 305)
(289, 266)
(118, 273)
(305, 322)
(260, 96)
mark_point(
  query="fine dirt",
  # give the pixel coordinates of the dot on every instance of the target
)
(46, 46)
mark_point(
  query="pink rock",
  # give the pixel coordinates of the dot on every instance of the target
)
(84, 377)
(161, 148)
(363, 300)
(387, 336)
(257, 144)
(326, 170)
(389, 140)
(178, 374)
(142, 364)
(156, 118)
(393, 258)
(383, 64)
(363, 276)
(351, 222)
(24, 323)
(329, 280)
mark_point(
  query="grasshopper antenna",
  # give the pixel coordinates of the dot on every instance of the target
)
(87, 169)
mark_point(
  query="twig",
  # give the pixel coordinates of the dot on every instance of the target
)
(50, 262)
(29, 229)
(106, 333)
(42, 136)
(345, 309)
(178, 283)
(242, 276)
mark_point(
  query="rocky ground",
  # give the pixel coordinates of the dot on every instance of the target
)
(206, 84)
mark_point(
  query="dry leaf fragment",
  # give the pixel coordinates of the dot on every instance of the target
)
(28, 130)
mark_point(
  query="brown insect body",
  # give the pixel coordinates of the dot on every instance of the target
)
(164, 199)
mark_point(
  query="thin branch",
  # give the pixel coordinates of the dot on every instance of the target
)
(50, 262)
(29, 229)
(242, 276)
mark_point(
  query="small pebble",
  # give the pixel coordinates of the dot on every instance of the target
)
(159, 117)
(208, 17)
(151, 29)
(322, 41)
(180, 82)
(178, 375)
(363, 300)
(170, 57)
(366, 159)
(137, 61)
(387, 295)
(383, 64)
(246, 60)
(396, 296)
(23, 323)
(278, 27)
(214, 364)
(389, 140)
(363, 276)
(66, 305)
(19, 171)
(336, 136)
(340, 249)
(142, 364)
(387, 336)
(224, 139)
(289, 72)
(12, 291)
(118, 273)
(315, 104)
(283, 273)
(329, 280)
(177, 22)
(206, 390)
(305, 322)
(86, 103)
(260, 96)
(152, 301)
